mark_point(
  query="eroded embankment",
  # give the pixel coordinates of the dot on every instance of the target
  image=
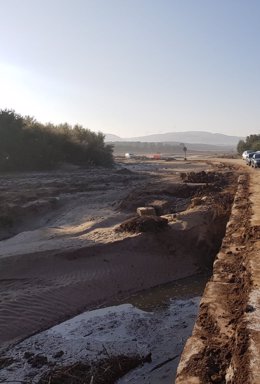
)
(218, 350)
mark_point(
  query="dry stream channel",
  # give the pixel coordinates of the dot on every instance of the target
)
(154, 322)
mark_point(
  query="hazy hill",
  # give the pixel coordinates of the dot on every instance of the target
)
(169, 148)
(192, 137)
(110, 137)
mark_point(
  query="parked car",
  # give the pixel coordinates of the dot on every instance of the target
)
(249, 158)
(245, 153)
(255, 160)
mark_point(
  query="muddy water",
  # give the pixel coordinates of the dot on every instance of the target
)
(173, 309)
(156, 322)
(162, 296)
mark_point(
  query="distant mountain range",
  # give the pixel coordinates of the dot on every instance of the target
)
(189, 137)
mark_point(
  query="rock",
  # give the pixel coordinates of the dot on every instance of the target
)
(146, 211)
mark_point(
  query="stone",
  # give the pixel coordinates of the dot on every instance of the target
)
(146, 211)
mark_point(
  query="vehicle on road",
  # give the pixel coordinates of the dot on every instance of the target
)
(255, 160)
(249, 158)
(245, 153)
(129, 155)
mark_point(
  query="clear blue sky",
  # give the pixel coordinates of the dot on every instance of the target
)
(133, 67)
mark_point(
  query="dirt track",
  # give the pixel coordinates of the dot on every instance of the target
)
(76, 260)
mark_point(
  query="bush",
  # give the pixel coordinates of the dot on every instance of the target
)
(26, 144)
(251, 142)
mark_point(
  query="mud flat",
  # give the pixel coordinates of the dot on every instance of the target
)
(150, 331)
(78, 256)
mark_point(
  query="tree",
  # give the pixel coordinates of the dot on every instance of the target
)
(241, 146)
(251, 142)
(26, 144)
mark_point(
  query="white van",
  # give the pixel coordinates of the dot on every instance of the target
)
(245, 153)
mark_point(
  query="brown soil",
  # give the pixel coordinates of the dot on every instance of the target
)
(221, 335)
(71, 258)
(143, 224)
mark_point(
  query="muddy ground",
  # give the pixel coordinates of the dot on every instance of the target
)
(219, 350)
(65, 247)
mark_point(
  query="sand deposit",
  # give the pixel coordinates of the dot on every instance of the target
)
(62, 252)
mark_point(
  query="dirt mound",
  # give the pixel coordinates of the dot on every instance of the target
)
(204, 177)
(173, 197)
(182, 190)
(143, 224)
(165, 198)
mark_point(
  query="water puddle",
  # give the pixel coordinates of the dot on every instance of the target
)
(155, 322)
(174, 310)
(161, 296)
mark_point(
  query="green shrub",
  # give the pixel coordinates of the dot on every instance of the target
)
(26, 144)
(251, 142)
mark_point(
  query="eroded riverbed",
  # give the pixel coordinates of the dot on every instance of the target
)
(78, 260)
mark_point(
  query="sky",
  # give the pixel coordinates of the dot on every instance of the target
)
(133, 67)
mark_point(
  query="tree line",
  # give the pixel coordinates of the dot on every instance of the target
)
(26, 144)
(251, 142)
